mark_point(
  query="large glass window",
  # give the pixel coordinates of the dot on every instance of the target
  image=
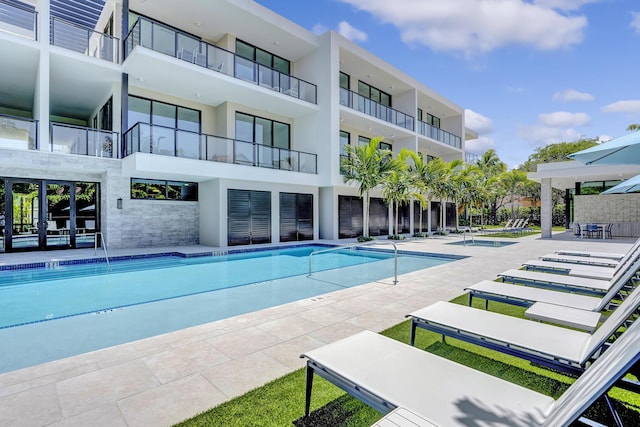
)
(142, 110)
(344, 80)
(374, 94)
(262, 131)
(253, 53)
(363, 140)
(344, 141)
(163, 190)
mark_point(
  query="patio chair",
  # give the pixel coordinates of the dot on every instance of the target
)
(552, 346)
(568, 283)
(386, 374)
(593, 230)
(608, 255)
(528, 295)
(607, 231)
(581, 270)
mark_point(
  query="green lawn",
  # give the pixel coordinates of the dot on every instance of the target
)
(281, 402)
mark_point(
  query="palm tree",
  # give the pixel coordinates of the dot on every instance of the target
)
(514, 182)
(459, 183)
(491, 167)
(633, 127)
(398, 186)
(429, 177)
(366, 165)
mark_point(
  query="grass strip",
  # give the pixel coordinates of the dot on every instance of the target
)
(281, 402)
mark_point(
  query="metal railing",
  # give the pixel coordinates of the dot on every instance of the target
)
(471, 158)
(84, 40)
(18, 18)
(372, 108)
(169, 41)
(464, 237)
(85, 141)
(18, 133)
(104, 248)
(439, 134)
(166, 141)
(354, 245)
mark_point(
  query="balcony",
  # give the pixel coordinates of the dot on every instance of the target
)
(84, 40)
(18, 133)
(161, 38)
(372, 108)
(19, 19)
(83, 141)
(153, 139)
(439, 135)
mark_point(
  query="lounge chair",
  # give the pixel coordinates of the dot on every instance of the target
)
(528, 295)
(433, 391)
(597, 287)
(548, 345)
(601, 259)
(582, 260)
(608, 255)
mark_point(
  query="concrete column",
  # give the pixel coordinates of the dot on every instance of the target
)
(546, 208)
(41, 104)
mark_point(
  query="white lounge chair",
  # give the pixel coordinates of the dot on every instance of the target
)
(548, 345)
(608, 255)
(579, 270)
(581, 260)
(387, 374)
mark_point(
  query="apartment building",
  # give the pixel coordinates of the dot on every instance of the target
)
(219, 122)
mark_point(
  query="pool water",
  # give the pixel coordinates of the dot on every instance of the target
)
(46, 314)
(484, 243)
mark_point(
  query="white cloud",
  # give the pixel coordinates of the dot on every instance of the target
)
(480, 145)
(319, 29)
(477, 26)
(630, 107)
(540, 135)
(563, 4)
(346, 30)
(635, 21)
(560, 119)
(477, 122)
(570, 95)
(514, 89)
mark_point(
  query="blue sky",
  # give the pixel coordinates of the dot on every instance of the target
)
(529, 72)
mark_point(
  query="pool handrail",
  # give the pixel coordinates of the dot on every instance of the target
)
(353, 245)
(464, 236)
(104, 247)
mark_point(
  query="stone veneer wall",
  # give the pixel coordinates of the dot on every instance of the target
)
(623, 210)
(140, 223)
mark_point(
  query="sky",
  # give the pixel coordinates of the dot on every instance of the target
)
(527, 72)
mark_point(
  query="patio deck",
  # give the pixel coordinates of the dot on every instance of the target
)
(167, 378)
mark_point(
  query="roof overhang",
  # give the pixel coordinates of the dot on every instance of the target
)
(564, 175)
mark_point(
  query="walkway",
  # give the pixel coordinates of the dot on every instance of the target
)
(164, 379)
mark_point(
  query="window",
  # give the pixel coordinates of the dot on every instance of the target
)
(374, 94)
(163, 190)
(429, 119)
(363, 140)
(253, 53)
(262, 131)
(344, 80)
(344, 141)
(142, 110)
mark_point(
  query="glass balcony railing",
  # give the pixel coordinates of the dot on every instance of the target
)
(161, 38)
(84, 40)
(471, 158)
(372, 108)
(18, 18)
(84, 141)
(18, 133)
(153, 139)
(439, 134)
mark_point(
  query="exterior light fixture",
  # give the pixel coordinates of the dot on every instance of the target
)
(119, 203)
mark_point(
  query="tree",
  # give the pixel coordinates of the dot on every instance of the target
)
(556, 153)
(514, 182)
(366, 165)
(427, 178)
(633, 127)
(398, 186)
(491, 167)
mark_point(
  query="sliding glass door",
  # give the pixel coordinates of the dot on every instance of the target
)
(39, 214)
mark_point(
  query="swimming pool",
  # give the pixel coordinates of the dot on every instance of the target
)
(49, 313)
(484, 243)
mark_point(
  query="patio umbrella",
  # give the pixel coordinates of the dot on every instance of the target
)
(632, 185)
(620, 151)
